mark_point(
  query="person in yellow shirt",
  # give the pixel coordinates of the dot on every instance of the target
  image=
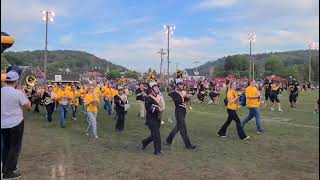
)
(233, 102)
(75, 94)
(63, 97)
(108, 98)
(91, 101)
(68, 87)
(253, 101)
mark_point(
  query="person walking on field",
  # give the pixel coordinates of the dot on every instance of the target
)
(233, 102)
(253, 101)
(13, 101)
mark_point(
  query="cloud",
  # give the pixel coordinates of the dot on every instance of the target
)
(211, 4)
(140, 20)
(103, 30)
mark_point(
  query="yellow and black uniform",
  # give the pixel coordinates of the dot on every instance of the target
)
(152, 105)
(275, 90)
(233, 102)
(63, 97)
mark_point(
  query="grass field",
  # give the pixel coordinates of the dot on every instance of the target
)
(289, 149)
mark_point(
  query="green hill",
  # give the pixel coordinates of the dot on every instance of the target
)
(74, 60)
(281, 63)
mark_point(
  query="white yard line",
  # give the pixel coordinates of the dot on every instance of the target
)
(278, 120)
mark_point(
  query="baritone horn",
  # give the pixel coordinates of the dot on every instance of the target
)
(31, 80)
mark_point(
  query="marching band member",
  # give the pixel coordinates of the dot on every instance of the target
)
(63, 97)
(120, 106)
(294, 89)
(233, 101)
(48, 98)
(201, 92)
(253, 102)
(274, 96)
(91, 101)
(140, 97)
(75, 94)
(153, 109)
(179, 97)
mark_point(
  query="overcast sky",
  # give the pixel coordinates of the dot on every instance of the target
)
(130, 33)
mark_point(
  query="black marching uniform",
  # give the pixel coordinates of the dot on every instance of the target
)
(120, 110)
(293, 93)
(152, 105)
(201, 92)
(180, 113)
(50, 107)
(267, 90)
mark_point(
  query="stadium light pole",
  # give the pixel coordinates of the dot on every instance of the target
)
(311, 46)
(196, 62)
(47, 15)
(161, 56)
(252, 38)
(169, 29)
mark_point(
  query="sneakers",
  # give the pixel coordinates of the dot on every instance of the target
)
(248, 137)
(73, 118)
(96, 137)
(260, 132)
(223, 136)
(162, 122)
(191, 147)
(11, 175)
(157, 153)
(280, 110)
(271, 109)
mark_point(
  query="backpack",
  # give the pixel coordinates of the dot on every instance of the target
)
(243, 100)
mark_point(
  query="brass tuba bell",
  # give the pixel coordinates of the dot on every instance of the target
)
(31, 80)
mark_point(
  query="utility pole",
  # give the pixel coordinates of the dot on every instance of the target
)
(169, 29)
(161, 56)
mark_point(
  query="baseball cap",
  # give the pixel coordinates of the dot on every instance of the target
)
(12, 76)
(14, 68)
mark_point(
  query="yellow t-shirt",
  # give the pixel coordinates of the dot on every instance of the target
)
(108, 93)
(252, 91)
(82, 92)
(114, 92)
(68, 88)
(55, 89)
(231, 95)
(59, 97)
(97, 90)
(92, 107)
(75, 98)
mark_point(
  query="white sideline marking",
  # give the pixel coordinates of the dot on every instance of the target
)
(278, 120)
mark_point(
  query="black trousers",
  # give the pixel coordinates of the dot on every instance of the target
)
(12, 141)
(180, 126)
(232, 115)
(154, 127)
(120, 120)
(293, 97)
(50, 109)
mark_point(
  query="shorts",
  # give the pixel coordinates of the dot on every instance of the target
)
(293, 97)
(274, 97)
